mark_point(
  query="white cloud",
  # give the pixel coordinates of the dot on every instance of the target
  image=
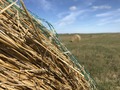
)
(112, 21)
(73, 8)
(45, 4)
(63, 14)
(101, 7)
(110, 17)
(110, 13)
(106, 19)
(104, 14)
(103, 23)
(70, 18)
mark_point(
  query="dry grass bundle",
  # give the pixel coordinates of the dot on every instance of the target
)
(75, 38)
(28, 60)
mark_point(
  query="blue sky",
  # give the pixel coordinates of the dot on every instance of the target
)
(79, 16)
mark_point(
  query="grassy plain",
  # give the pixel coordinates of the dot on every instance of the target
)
(100, 55)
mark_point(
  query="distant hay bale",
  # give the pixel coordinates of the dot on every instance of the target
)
(75, 38)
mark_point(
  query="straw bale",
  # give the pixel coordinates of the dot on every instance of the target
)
(75, 38)
(29, 60)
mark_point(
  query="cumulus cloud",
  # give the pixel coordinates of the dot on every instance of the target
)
(101, 7)
(73, 8)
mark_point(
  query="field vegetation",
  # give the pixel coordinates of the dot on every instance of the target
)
(100, 55)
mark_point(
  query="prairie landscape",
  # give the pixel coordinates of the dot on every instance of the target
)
(100, 55)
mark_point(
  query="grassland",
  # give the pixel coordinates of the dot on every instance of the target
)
(100, 55)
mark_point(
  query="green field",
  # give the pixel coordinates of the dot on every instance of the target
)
(100, 55)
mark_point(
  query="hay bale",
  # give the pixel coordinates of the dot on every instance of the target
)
(29, 61)
(75, 38)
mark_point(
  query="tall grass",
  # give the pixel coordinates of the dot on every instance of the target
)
(100, 54)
